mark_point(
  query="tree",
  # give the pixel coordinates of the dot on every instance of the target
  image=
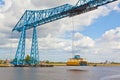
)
(6, 61)
(27, 59)
(47, 61)
(1, 61)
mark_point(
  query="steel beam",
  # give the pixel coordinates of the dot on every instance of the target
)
(20, 53)
(34, 55)
(49, 15)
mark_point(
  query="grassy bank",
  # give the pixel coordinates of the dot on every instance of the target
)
(5, 65)
(64, 64)
(102, 64)
(55, 63)
(89, 64)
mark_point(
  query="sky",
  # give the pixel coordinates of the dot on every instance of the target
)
(96, 33)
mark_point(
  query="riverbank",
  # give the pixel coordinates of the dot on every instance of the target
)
(6, 65)
(103, 64)
(64, 64)
(89, 64)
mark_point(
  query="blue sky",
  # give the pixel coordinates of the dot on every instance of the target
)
(2, 2)
(96, 36)
(102, 24)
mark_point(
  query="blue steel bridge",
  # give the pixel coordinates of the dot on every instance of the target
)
(34, 18)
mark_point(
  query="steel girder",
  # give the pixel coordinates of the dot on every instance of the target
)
(49, 15)
(20, 53)
(99, 2)
(34, 55)
(41, 17)
(84, 6)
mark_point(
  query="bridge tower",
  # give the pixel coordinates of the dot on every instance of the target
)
(20, 53)
(34, 55)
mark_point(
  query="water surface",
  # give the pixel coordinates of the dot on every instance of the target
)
(60, 73)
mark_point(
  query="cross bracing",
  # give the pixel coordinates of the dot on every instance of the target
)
(39, 17)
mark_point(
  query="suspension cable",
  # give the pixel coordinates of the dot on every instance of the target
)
(73, 31)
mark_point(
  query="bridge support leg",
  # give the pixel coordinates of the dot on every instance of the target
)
(20, 53)
(34, 55)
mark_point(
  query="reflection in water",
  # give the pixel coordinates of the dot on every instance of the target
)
(112, 77)
(60, 73)
(76, 70)
(26, 73)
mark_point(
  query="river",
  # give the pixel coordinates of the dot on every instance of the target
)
(60, 73)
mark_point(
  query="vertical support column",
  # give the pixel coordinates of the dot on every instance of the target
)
(34, 55)
(20, 53)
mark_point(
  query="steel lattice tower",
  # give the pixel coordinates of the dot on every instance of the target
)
(34, 49)
(35, 18)
(20, 53)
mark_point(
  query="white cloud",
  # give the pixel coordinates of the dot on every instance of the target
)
(114, 6)
(8, 4)
(51, 42)
(83, 41)
(8, 43)
(110, 39)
